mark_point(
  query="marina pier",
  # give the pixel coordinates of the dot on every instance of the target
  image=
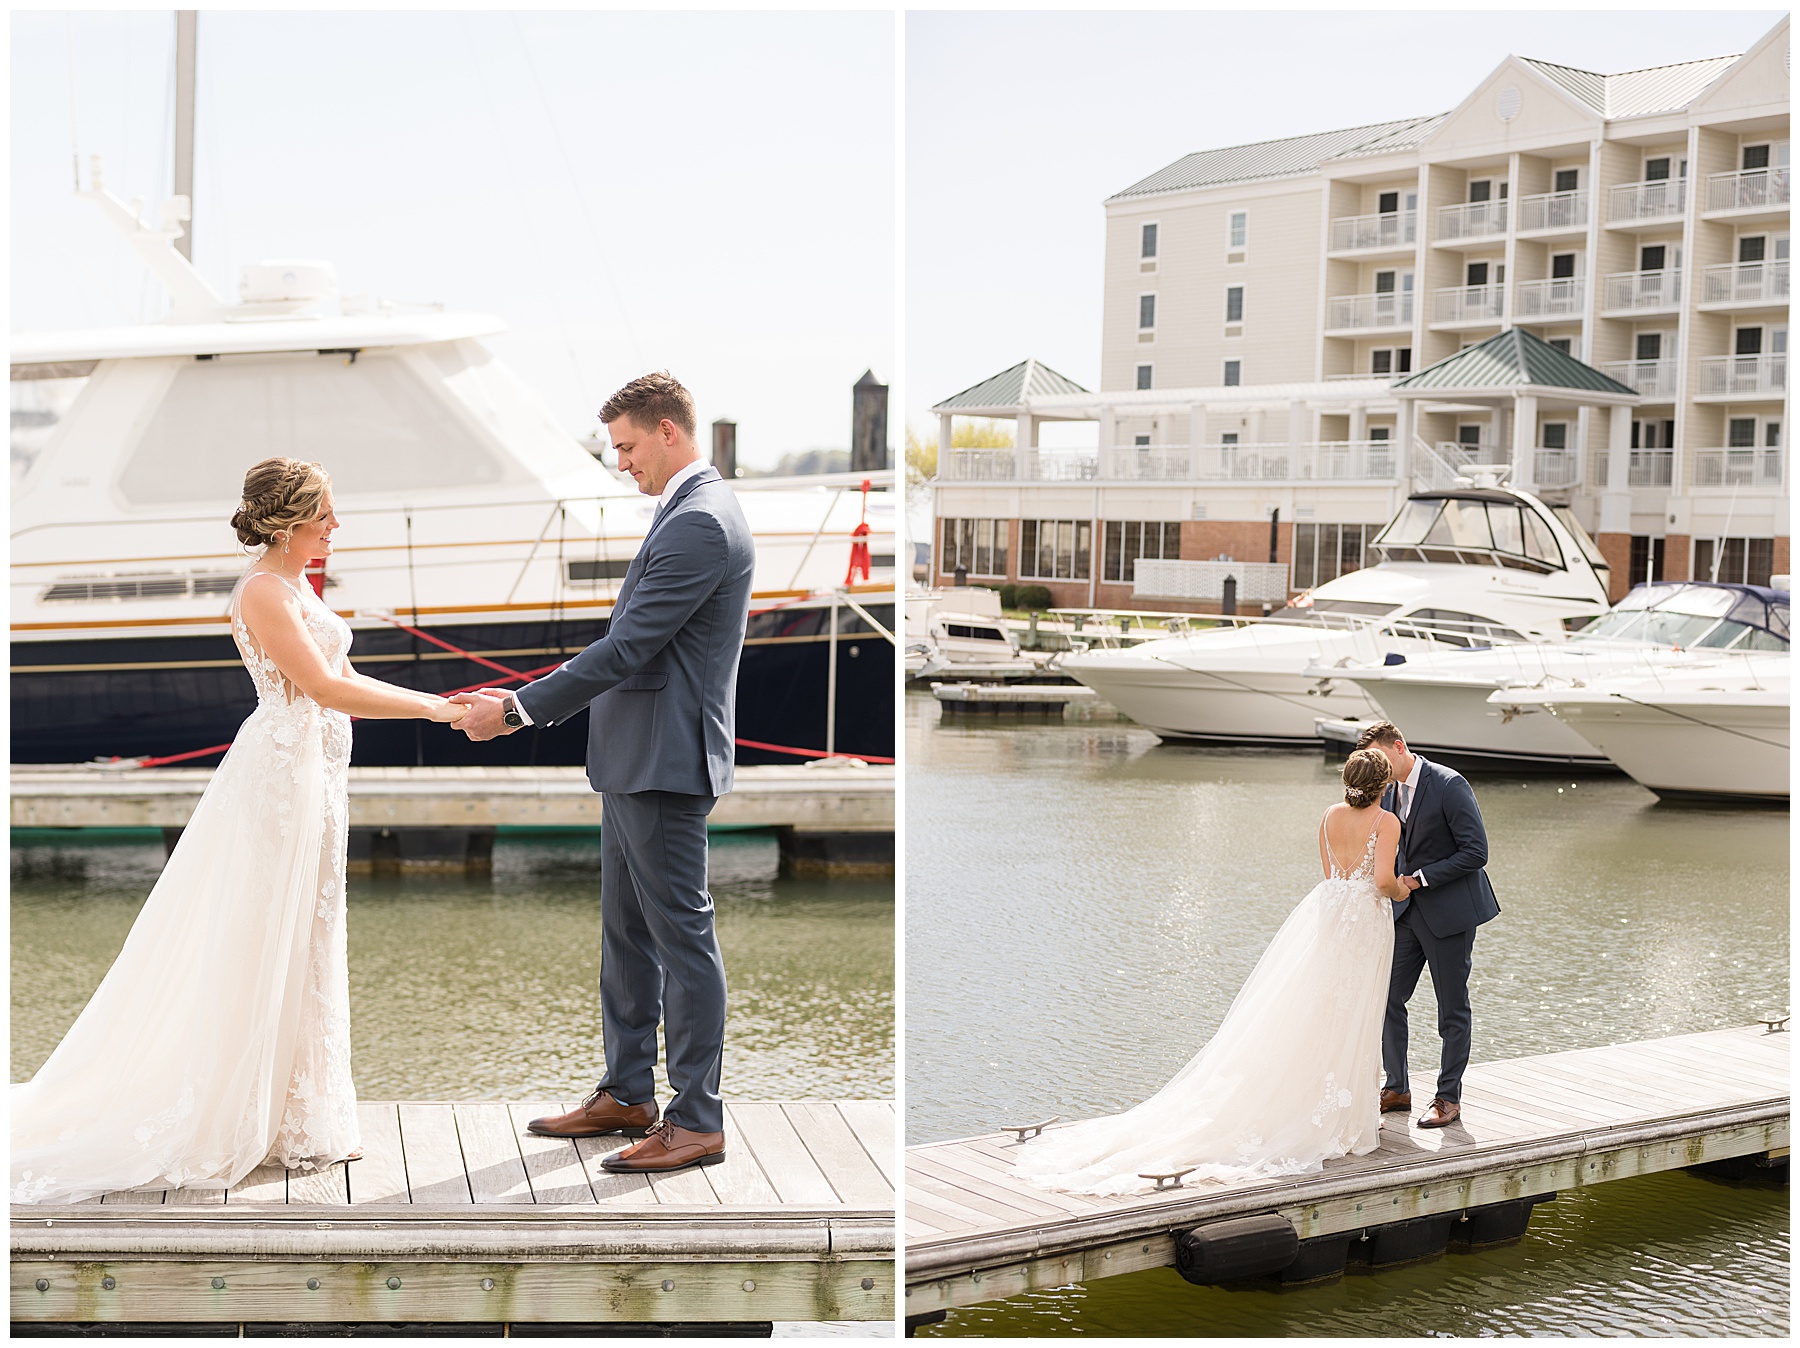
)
(456, 1214)
(835, 820)
(1531, 1127)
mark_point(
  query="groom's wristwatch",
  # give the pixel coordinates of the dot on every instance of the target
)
(511, 714)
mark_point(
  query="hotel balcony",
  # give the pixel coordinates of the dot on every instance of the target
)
(1647, 468)
(1369, 313)
(1744, 285)
(1762, 376)
(1756, 466)
(1545, 299)
(1471, 220)
(1747, 195)
(1556, 467)
(1652, 378)
(1638, 292)
(1469, 305)
(1554, 213)
(1646, 205)
(1391, 232)
(1331, 461)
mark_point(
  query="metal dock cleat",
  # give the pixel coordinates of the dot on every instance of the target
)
(1170, 1180)
(1775, 1021)
(1024, 1132)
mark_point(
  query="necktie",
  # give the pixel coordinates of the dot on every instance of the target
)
(1405, 800)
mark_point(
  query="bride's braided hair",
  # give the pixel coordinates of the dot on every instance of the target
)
(278, 495)
(1366, 773)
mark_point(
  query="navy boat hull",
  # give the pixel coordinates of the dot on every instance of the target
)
(75, 700)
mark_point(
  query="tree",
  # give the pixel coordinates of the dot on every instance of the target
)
(965, 433)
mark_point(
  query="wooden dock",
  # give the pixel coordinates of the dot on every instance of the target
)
(456, 1213)
(963, 699)
(834, 820)
(1530, 1127)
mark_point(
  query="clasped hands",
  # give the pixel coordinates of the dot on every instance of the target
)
(483, 719)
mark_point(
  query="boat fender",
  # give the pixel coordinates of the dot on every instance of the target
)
(1394, 658)
(1244, 1247)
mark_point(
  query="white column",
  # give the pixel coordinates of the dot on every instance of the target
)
(1359, 422)
(1524, 439)
(1196, 434)
(1108, 434)
(1615, 501)
(1024, 441)
(1403, 435)
(944, 443)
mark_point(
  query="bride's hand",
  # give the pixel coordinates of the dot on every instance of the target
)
(448, 713)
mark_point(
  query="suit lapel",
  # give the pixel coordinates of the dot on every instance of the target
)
(632, 572)
(1418, 801)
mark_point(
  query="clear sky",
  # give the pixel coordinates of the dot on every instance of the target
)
(737, 170)
(1019, 125)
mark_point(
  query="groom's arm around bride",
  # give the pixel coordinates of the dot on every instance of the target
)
(660, 687)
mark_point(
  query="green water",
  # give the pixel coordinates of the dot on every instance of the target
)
(487, 988)
(1082, 904)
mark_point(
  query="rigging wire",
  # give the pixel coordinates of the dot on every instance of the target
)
(637, 349)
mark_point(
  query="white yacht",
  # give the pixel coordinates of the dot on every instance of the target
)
(1441, 699)
(1712, 729)
(479, 539)
(961, 633)
(1469, 566)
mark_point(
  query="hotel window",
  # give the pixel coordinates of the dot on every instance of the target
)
(1567, 180)
(1233, 373)
(1563, 344)
(979, 546)
(1054, 549)
(1146, 312)
(1562, 266)
(1554, 435)
(1488, 189)
(1239, 232)
(1147, 242)
(1756, 156)
(1391, 360)
(1234, 304)
(1128, 540)
(1646, 559)
(1740, 561)
(1143, 375)
(1324, 552)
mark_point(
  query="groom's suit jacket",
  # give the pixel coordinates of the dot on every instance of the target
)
(1443, 838)
(662, 683)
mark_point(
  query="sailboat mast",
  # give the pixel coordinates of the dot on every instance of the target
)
(187, 23)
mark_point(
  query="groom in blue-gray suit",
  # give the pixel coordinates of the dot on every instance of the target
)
(660, 687)
(1443, 849)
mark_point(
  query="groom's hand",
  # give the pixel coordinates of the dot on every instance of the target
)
(483, 719)
(1412, 882)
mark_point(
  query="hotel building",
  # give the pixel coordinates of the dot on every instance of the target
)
(1280, 350)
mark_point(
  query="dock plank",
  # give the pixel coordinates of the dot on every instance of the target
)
(194, 1198)
(434, 1161)
(380, 1177)
(740, 1181)
(611, 1189)
(490, 1149)
(552, 1165)
(319, 1186)
(873, 1123)
(265, 1184)
(839, 1155)
(782, 1155)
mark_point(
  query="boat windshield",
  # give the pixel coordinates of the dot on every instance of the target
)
(1454, 628)
(1474, 530)
(1713, 617)
(1339, 613)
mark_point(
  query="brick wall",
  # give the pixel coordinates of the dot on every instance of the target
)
(1241, 540)
(1616, 548)
(1678, 557)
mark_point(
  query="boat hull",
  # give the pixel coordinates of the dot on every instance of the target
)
(1693, 752)
(79, 699)
(1260, 707)
(1454, 724)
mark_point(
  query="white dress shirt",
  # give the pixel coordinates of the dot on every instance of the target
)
(670, 487)
(1405, 792)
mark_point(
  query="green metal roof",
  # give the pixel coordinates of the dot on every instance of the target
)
(1011, 388)
(1513, 359)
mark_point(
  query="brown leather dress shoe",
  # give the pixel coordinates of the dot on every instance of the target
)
(667, 1147)
(1392, 1100)
(595, 1116)
(1441, 1114)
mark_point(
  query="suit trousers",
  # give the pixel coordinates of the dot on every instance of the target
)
(1449, 957)
(659, 954)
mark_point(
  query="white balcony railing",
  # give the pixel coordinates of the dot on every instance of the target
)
(1746, 283)
(1556, 467)
(1472, 220)
(1751, 467)
(1389, 309)
(1553, 210)
(1559, 295)
(1643, 290)
(1662, 199)
(1749, 189)
(1469, 304)
(979, 465)
(1652, 378)
(1393, 229)
(1742, 374)
(1147, 463)
(1650, 468)
(1330, 461)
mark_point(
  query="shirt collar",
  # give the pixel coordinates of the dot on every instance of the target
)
(673, 485)
(1412, 778)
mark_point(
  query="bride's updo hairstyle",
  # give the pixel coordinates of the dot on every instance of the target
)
(1366, 772)
(278, 495)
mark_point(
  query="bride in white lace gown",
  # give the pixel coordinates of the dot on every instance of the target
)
(1292, 1077)
(220, 1037)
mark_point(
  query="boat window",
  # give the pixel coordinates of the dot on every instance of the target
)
(1540, 543)
(1583, 540)
(1362, 606)
(1509, 530)
(1701, 600)
(1454, 628)
(1413, 522)
(973, 633)
(1475, 532)
(374, 424)
(1758, 640)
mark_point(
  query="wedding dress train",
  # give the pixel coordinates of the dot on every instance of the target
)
(1291, 1079)
(220, 1037)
